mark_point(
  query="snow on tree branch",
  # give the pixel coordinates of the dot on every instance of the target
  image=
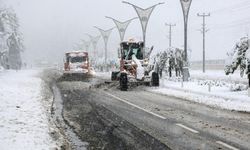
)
(239, 57)
(11, 40)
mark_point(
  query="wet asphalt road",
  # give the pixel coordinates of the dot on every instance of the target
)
(181, 124)
(176, 123)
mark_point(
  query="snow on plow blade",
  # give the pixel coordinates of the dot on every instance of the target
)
(75, 76)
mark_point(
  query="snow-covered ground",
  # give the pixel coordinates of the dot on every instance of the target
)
(23, 121)
(1, 68)
(219, 95)
(104, 75)
(218, 75)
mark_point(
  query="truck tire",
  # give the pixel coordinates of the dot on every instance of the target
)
(155, 81)
(147, 84)
(123, 82)
(114, 76)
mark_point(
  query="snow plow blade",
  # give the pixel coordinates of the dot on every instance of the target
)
(75, 77)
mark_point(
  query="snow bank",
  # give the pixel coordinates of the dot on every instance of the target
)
(104, 75)
(23, 120)
(218, 75)
(220, 96)
(1, 68)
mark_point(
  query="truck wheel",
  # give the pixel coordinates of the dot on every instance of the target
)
(155, 81)
(114, 76)
(124, 82)
(147, 84)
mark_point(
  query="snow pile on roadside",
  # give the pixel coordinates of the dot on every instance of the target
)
(23, 120)
(218, 75)
(219, 96)
(1, 68)
(103, 75)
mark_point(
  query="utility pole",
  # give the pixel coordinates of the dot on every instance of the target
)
(203, 31)
(170, 33)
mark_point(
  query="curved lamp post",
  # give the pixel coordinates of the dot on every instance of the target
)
(86, 44)
(144, 15)
(105, 35)
(121, 26)
(185, 8)
(94, 40)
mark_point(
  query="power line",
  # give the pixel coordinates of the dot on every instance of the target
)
(233, 24)
(240, 6)
(235, 6)
(204, 30)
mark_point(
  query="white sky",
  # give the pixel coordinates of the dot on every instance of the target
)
(51, 27)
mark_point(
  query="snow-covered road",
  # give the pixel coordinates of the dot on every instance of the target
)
(23, 120)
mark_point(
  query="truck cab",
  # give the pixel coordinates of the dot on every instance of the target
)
(134, 66)
(76, 62)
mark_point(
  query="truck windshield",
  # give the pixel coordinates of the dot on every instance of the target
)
(77, 59)
(132, 49)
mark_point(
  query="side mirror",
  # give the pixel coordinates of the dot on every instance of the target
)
(65, 66)
(150, 51)
(152, 47)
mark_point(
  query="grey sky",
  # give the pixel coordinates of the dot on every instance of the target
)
(51, 27)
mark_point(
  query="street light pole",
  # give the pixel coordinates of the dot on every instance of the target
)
(144, 15)
(185, 8)
(105, 35)
(94, 40)
(121, 26)
(86, 44)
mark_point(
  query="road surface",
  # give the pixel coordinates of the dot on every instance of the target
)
(139, 119)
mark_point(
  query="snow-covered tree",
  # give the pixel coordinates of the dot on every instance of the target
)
(171, 59)
(238, 57)
(11, 41)
(15, 61)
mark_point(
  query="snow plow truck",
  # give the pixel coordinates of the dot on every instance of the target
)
(134, 66)
(76, 65)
